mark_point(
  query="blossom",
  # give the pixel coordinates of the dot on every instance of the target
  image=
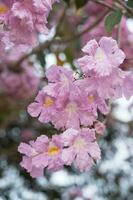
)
(99, 127)
(40, 154)
(127, 86)
(62, 81)
(101, 57)
(24, 19)
(44, 107)
(74, 114)
(20, 85)
(113, 83)
(90, 97)
(81, 148)
(99, 31)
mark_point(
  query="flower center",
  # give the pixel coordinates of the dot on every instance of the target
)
(3, 9)
(91, 98)
(71, 107)
(64, 80)
(53, 150)
(48, 102)
(79, 144)
(100, 55)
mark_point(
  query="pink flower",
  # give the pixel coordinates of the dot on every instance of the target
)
(44, 107)
(113, 83)
(20, 85)
(41, 154)
(90, 98)
(99, 31)
(127, 86)
(24, 19)
(81, 148)
(101, 58)
(72, 115)
(99, 128)
(62, 81)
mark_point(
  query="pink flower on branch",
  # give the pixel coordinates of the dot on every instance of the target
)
(76, 147)
(101, 57)
(73, 105)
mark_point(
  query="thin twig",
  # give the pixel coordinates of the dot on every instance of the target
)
(89, 28)
(119, 34)
(123, 4)
(105, 4)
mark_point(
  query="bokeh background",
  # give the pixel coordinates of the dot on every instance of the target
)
(112, 177)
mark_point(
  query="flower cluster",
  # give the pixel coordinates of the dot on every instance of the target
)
(22, 20)
(64, 103)
(72, 105)
(101, 67)
(72, 146)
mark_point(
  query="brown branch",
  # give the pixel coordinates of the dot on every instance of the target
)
(89, 28)
(123, 7)
(105, 4)
(128, 9)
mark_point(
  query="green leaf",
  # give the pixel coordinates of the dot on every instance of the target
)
(112, 19)
(80, 3)
(130, 3)
(41, 59)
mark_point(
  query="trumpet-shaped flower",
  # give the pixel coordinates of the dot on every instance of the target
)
(101, 57)
(41, 154)
(73, 115)
(81, 148)
(24, 19)
(44, 107)
(62, 81)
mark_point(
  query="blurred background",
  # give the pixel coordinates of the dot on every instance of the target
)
(112, 177)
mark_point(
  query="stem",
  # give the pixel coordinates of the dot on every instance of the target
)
(128, 9)
(89, 28)
(119, 34)
(105, 4)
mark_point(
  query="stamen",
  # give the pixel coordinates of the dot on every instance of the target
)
(3, 9)
(48, 102)
(91, 98)
(53, 150)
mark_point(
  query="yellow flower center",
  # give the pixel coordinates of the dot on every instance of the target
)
(3, 9)
(53, 150)
(91, 98)
(48, 102)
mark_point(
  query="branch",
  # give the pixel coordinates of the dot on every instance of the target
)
(89, 28)
(123, 7)
(105, 4)
(128, 9)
